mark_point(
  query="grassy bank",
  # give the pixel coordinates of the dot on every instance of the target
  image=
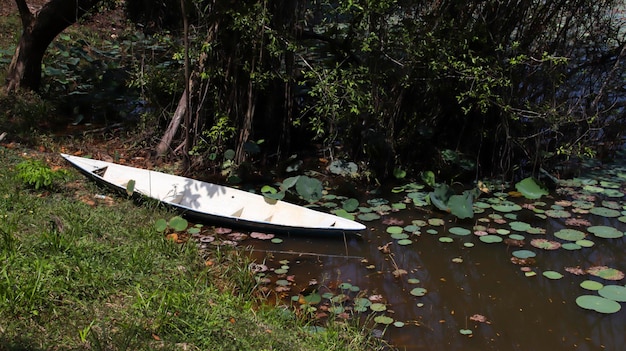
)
(79, 272)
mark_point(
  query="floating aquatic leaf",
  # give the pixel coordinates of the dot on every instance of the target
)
(570, 234)
(520, 226)
(585, 243)
(545, 244)
(506, 206)
(399, 236)
(490, 239)
(344, 214)
(350, 205)
(591, 285)
(558, 214)
(606, 272)
(366, 217)
(276, 240)
(598, 304)
(613, 292)
(445, 239)
(516, 237)
(605, 232)
(405, 242)
(413, 281)
(343, 168)
(383, 320)
(435, 221)
(261, 236)
(530, 188)
(605, 212)
(398, 324)
(394, 230)
(313, 298)
(523, 254)
(571, 246)
(378, 307)
(465, 331)
(460, 231)
(552, 275)
(468, 244)
(418, 292)
(412, 228)
(310, 189)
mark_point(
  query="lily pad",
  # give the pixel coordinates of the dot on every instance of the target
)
(465, 331)
(605, 212)
(378, 307)
(394, 229)
(383, 320)
(520, 226)
(598, 304)
(405, 242)
(570, 234)
(523, 254)
(571, 246)
(530, 189)
(605, 272)
(459, 231)
(591, 285)
(552, 275)
(491, 239)
(418, 292)
(545, 244)
(605, 232)
(613, 292)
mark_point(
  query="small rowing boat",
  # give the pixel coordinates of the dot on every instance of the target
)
(214, 203)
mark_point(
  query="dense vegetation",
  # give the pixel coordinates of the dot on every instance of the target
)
(472, 88)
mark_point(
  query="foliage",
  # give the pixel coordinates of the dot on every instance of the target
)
(37, 174)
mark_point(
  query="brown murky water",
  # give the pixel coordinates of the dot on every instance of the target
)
(464, 284)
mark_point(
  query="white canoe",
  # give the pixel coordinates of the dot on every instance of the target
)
(215, 203)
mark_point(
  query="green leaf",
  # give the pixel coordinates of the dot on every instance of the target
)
(130, 187)
(530, 188)
(310, 189)
(428, 177)
(462, 205)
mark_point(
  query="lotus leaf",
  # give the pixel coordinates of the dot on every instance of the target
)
(613, 292)
(598, 304)
(459, 231)
(343, 168)
(520, 226)
(552, 275)
(530, 188)
(405, 242)
(378, 307)
(570, 234)
(344, 214)
(605, 232)
(383, 320)
(545, 244)
(399, 236)
(506, 206)
(605, 212)
(571, 246)
(465, 331)
(490, 239)
(523, 254)
(516, 237)
(445, 239)
(585, 243)
(418, 292)
(394, 229)
(398, 324)
(178, 223)
(367, 217)
(413, 281)
(606, 273)
(310, 189)
(591, 285)
(558, 214)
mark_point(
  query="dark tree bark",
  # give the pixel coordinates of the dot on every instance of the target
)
(38, 31)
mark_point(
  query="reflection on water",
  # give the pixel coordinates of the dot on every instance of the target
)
(522, 313)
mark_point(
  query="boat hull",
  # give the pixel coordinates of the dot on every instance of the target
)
(212, 203)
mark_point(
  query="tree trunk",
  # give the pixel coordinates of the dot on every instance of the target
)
(38, 31)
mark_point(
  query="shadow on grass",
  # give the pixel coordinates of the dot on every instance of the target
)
(19, 344)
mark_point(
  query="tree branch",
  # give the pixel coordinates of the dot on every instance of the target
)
(25, 14)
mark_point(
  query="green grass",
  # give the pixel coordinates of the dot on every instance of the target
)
(73, 276)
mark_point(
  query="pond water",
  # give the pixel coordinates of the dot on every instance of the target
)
(472, 294)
